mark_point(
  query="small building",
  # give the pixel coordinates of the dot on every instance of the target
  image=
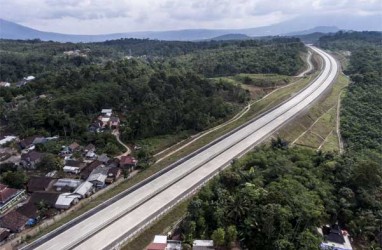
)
(84, 190)
(89, 168)
(40, 183)
(91, 155)
(48, 198)
(66, 200)
(89, 148)
(128, 162)
(6, 139)
(29, 78)
(4, 156)
(29, 210)
(4, 233)
(39, 140)
(66, 184)
(74, 147)
(202, 245)
(334, 238)
(9, 197)
(5, 84)
(14, 221)
(113, 174)
(96, 126)
(98, 176)
(159, 243)
(174, 245)
(106, 112)
(103, 158)
(114, 122)
(31, 159)
(73, 166)
(27, 143)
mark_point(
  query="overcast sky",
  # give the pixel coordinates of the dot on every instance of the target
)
(113, 16)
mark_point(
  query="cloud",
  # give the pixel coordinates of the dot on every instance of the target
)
(105, 16)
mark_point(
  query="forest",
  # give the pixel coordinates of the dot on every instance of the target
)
(275, 197)
(155, 92)
(34, 57)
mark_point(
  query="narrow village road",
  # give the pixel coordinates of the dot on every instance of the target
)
(128, 150)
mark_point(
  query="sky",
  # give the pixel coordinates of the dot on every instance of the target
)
(115, 16)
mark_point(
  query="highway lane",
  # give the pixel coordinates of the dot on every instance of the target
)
(106, 226)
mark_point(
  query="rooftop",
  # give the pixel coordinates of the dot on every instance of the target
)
(13, 221)
(6, 193)
(39, 183)
(128, 160)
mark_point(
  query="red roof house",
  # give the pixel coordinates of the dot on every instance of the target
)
(6, 194)
(128, 161)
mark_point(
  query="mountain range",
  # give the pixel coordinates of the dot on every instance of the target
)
(295, 27)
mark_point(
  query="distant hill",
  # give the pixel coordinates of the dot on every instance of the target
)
(295, 27)
(318, 29)
(310, 38)
(231, 37)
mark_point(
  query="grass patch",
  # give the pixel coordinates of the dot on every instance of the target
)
(163, 225)
(318, 122)
(158, 143)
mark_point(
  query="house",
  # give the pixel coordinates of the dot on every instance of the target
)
(91, 155)
(9, 197)
(74, 147)
(89, 148)
(96, 126)
(31, 159)
(14, 221)
(29, 210)
(202, 244)
(114, 122)
(4, 156)
(334, 238)
(48, 198)
(84, 190)
(65, 151)
(39, 140)
(89, 168)
(113, 163)
(4, 233)
(113, 174)
(66, 184)
(5, 84)
(159, 243)
(73, 166)
(29, 78)
(89, 152)
(66, 200)
(6, 139)
(128, 162)
(103, 158)
(21, 83)
(106, 112)
(40, 183)
(27, 143)
(98, 176)
(174, 245)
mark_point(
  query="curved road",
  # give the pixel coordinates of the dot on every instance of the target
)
(108, 227)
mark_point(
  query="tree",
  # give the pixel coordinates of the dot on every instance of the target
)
(49, 163)
(218, 237)
(231, 234)
(14, 179)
